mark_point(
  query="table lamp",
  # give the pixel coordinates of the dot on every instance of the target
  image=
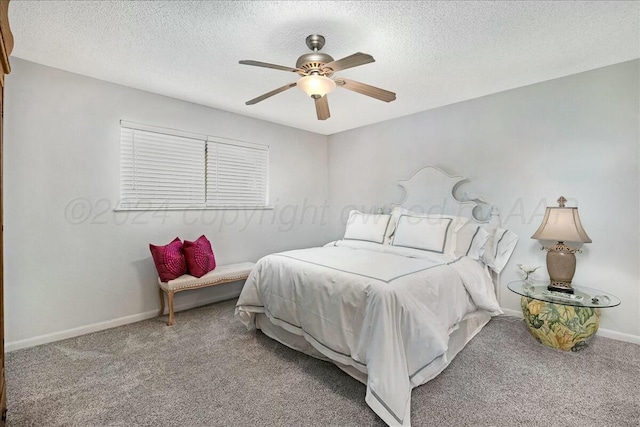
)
(563, 225)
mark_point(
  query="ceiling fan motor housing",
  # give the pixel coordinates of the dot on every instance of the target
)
(313, 61)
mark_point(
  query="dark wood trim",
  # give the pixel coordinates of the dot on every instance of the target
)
(7, 38)
(6, 46)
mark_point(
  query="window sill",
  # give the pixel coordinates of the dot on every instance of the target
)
(224, 208)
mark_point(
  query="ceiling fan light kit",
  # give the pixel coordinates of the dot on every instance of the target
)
(316, 69)
(316, 86)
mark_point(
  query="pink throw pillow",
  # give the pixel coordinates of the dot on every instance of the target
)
(199, 255)
(169, 260)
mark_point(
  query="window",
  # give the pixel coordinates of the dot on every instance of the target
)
(236, 174)
(167, 169)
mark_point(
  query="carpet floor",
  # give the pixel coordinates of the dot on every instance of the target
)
(208, 370)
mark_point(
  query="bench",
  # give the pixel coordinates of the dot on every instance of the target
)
(222, 274)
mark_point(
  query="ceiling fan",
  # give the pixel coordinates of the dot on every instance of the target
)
(317, 79)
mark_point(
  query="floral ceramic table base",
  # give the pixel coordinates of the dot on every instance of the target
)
(559, 326)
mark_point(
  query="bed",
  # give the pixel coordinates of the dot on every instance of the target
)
(396, 299)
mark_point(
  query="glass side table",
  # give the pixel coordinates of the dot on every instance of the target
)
(562, 322)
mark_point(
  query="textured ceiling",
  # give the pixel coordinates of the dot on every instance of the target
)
(429, 53)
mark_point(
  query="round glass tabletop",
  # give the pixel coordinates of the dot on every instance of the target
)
(581, 297)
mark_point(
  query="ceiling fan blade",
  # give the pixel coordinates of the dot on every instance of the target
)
(274, 66)
(269, 94)
(372, 91)
(322, 108)
(350, 61)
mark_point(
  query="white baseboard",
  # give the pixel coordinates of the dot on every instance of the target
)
(512, 313)
(620, 336)
(101, 326)
(607, 333)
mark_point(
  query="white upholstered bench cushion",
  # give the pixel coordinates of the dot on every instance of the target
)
(222, 274)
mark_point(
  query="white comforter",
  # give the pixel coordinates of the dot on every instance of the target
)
(385, 311)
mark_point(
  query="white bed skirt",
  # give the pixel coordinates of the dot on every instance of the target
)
(460, 335)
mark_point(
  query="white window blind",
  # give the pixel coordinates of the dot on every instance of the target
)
(236, 174)
(164, 169)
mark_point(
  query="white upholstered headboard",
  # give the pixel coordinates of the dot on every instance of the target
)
(431, 190)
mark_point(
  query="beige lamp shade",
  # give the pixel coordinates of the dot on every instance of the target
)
(563, 225)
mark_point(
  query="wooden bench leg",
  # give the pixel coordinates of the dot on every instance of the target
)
(170, 301)
(161, 302)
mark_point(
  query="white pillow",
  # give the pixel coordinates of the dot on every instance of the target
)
(498, 249)
(424, 232)
(367, 227)
(457, 222)
(395, 215)
(506, 243)
(470, 239)
(478, 243)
